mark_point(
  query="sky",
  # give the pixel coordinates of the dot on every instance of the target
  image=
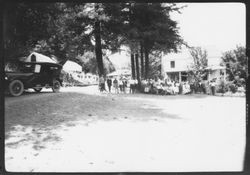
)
(222, 25)
(213, 26)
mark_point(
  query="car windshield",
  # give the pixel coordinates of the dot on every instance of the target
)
(18, 67)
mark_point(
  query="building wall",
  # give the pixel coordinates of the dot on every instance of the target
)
(75, 70)
(72, 66)
(182, 64)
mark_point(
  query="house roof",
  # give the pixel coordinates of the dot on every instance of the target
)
(120, 72)
(215, 67)
(72, 66)
(177, 70)
(211, 67)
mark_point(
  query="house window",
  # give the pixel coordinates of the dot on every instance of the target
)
(172, 64)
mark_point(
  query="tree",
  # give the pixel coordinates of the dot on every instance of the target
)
(150, 27)
(100, 21)
(68, 38)
(88, 62)
(236, 63)
(200, 62)
(68, 30)
(154, 65)
(25, 24)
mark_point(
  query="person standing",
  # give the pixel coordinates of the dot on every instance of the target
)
(115, 84)
(120, 85)
(212, 84)
(124, 85)
(131, 86)
(109, 82)
(180, 88)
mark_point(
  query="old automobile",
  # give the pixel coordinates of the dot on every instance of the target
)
(20, 76)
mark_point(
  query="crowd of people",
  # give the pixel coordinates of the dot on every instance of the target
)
(155, 86)
(118, 85)
(171, 87)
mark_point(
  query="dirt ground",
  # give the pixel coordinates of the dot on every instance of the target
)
(82, 130)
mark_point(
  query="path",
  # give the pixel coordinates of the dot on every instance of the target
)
(81, 130)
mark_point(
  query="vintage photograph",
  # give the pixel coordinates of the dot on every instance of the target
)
(124, 87)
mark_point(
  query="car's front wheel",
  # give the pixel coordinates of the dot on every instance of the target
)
(16, 88)
(56, 86)
(38, 89)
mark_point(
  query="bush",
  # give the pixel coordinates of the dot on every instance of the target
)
(225, 86)
(221, 87)
(231, 87)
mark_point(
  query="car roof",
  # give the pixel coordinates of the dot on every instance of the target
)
(41, 63)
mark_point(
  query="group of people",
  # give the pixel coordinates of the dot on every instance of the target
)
(118, 85)
(171, 87)
(155, 86)
(167, 87)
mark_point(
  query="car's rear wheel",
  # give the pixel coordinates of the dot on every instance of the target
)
(56, 86)
(16, 88)
(37, 89)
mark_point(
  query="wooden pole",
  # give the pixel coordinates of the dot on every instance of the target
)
(132, 66)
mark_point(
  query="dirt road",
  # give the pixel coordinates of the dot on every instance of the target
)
(81, 130)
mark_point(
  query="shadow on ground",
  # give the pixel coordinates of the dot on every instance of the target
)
(33, 118)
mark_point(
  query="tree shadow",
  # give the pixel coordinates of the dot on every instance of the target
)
(37, 137)
(36, 119)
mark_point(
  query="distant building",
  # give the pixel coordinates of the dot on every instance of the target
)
(75, 70)
(176, 65)
(126, 73)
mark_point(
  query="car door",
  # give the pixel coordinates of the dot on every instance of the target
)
(46, 74)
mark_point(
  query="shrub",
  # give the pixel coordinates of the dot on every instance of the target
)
(231, 87)
(221, 87)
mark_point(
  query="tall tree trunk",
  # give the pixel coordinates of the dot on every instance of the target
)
(137, 69)
(142, 60)
(133, 66)
(146, 62)
(98, 48)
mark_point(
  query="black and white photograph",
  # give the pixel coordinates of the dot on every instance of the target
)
(124, 87)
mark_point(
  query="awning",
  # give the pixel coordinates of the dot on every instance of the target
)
(215, 67)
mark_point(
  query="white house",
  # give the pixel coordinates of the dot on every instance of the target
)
(75, 70)
(176, 65)
(71, 66)
(120, 73)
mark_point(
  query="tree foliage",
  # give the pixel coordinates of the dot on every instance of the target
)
(154, 65)
(150, 27)
(236, 63)
(89, 64)
(200, 63)
(72, 30)
(25, 24)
